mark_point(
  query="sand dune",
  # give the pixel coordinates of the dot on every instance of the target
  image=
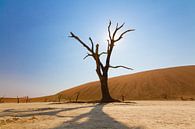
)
(161, 84)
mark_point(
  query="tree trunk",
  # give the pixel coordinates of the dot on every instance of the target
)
(104, 90)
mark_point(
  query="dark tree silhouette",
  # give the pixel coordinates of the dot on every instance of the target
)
(27, 99)
(123, 98)
(102, 69)
(77, 96)
(59, 97)
(18, 99)
(1, 99)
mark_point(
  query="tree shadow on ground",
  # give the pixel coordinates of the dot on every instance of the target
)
(39, 111)
(95, 119)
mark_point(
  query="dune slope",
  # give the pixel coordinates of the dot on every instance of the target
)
(161, 84)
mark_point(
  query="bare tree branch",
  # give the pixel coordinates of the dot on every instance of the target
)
(97, 49)
(112, 41)
(87, 56)
(102, 53)
(108, 47)
(117, 28)
(98, 62)
(120, 26)
(92, 44)
(109, 30)
(72, 35)
(120, 66)
(116, 25)
(121, 36)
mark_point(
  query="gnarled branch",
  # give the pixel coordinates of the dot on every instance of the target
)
(92, 44)
(112, 41)
(117, 28)
(121, 36)
(102, 53)
(109, 30)
(120, 66)
(87, 56)
(93, 49)
(72, 35)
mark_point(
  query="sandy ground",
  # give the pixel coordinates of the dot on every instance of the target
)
(136, 115)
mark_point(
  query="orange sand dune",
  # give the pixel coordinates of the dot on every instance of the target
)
(161, 84)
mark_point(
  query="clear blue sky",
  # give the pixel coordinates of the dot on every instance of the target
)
(37, 58)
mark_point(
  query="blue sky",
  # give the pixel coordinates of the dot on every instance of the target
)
(37, 57)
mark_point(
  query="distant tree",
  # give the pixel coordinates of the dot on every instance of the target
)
(77, 96)
(123, 98)
(59, 97)
(101, 69)
(18, 99)
(1, 99)
(27, 99)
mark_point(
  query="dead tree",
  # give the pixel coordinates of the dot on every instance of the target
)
(1, 99)
(123, 98)
(18, 99)
(77, 96)
(102, 69)
(27, 99)
(59, 97)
